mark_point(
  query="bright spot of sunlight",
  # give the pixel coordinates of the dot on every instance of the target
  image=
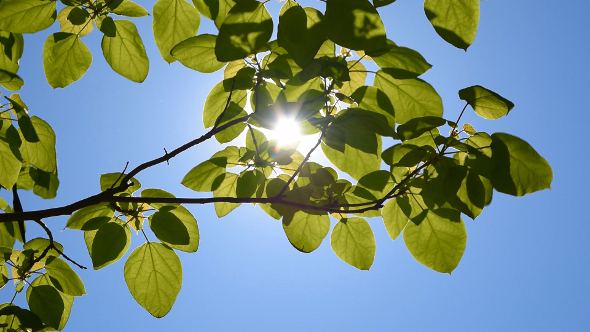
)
(287, 131)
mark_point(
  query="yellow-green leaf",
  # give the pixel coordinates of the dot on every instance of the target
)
(198, 53)
(26, 16)
(65, 59)
(454, 20)
(353, 241)
(306, 231)
(174, 21)
(438, 242)
(125, 52)
(153, 274)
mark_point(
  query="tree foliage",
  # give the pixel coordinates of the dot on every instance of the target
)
(314, 74)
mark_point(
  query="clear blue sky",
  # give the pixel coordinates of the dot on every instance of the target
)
(527, 261)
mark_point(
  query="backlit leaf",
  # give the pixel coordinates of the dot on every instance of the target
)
(517, 169)
(226, 189)
(454, 20)
(402, 63)
(486, 103)
(174, 21)
(41, 153)
(130, 9)
(65, 59)
(158, 193)
(246, 30)
(125, 52)
(26, 16)
(217, 99)
(67, 26)
(107, 244)
(411, 98)
(438, 242)
(51, 305)
(207, 176)
(11, 50)
(198, 53)
(64, 278)
(394, 218)
(176, 227)
(153, 274)
(306, 231)
(353, 241)
(301, 32)
(355, 24)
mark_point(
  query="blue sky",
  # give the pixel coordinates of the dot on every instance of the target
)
(527, 260)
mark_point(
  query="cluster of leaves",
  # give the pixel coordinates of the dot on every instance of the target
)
(315, 74)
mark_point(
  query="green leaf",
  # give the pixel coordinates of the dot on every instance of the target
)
(10, 81)
(41, 153)
(454, 20)
(352, 144)
(38, 245)
(227, 188)
(24, 121)
(246, 30)
(301, 32)
(26, 16)
(107, 26)
(416, 127)
(517, 169)
(3, 276)
(402, 63)
(176, 227)
(130, 9)
(217, 99)
(381, 3)
(355, 24)
(52, 306)
(9, 166)
(78, 16)
(411, 98)
(18, 317)
(67, 26)
(231, 133)
(63, 277)
(153, 274)
(159, 193)
(65, 59)
(125, 52)
(306, 231)
(11, 50)
(233, 68)
(208, 8)
(174, 21)
(113, 180)
(358, 75)
(45, 184)
(7, 234)
(198, 53)
(107, 244)
(207, 176)
(353, 241)
(486, 103)
(372, 99)
(467, 191)
(394, 218)
(407, 155)
(438, 242)
(224, 7)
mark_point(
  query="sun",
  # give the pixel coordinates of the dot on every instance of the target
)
(287, 131)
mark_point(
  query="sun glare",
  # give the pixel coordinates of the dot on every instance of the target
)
(287, 131)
